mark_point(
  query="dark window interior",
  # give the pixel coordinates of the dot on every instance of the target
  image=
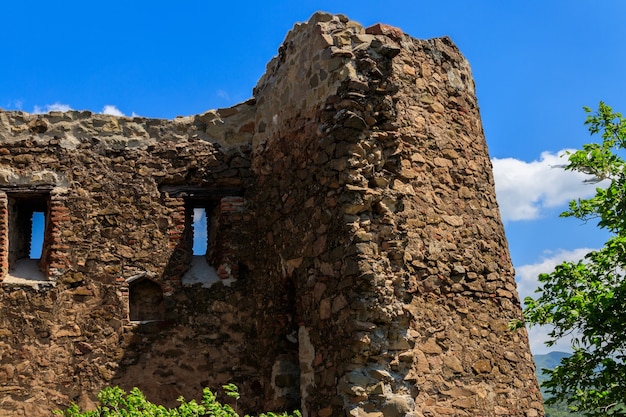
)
(146, 301)
(28, 220)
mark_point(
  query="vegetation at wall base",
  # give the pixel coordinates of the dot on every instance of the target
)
(115, 402)
(586, 300)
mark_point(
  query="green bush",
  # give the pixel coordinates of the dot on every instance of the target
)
(115, 402)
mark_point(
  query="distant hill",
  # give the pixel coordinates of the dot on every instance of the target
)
(550, 361)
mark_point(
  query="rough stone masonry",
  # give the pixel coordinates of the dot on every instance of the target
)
(355, 263)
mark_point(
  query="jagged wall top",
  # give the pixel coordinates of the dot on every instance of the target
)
(318, 56)
(312, 62)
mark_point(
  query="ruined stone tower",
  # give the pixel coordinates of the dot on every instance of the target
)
(355, 262)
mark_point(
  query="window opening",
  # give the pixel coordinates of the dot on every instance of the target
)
(200, 231)
(27, 221)
(38, 222)
(145, 301)
(201, 247)
(198, 224)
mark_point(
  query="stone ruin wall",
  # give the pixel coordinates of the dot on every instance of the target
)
(362, 264)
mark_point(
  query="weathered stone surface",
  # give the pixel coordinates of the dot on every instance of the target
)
(396, 407)
(358, 261)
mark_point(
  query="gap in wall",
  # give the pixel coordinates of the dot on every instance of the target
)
(200, 231)
(37, 234)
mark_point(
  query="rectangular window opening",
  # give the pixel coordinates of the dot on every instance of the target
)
(199, 219)
(200, 247)
(27, 221)
(37, 234)
(200, 231)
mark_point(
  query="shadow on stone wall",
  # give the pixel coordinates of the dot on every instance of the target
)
(212, 337)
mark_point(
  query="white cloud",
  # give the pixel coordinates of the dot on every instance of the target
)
(112, 110)
(14, 104)
(538, 336)
(527, 283)
(524, 188)
(526, 275)
(199, 215)
(223, 94)
(52, 107)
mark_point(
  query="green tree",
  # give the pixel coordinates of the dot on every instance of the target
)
(115, 402)
(587, 299)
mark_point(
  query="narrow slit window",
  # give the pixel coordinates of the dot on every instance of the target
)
(199, 222)
(37, 234)
(200, 231)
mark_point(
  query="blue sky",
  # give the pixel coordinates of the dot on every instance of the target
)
(535, 63)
